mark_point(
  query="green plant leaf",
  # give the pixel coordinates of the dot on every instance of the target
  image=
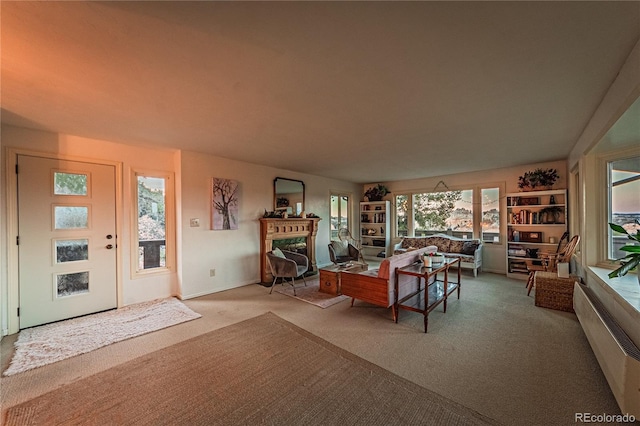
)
(631, 249)
(626, 267)
(618, 228)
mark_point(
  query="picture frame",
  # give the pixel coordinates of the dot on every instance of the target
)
(529, 201)
(531, 237)
(224, 204)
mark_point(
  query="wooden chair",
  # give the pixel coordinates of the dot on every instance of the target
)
(548, 262)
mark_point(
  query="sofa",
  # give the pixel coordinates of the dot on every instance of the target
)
(377, 286)
(468, 250)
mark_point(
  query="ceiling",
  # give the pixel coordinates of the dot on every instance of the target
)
(360, 91)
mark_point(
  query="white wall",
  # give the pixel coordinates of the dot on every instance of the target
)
(494, 255)
(625, 90)
(131, 157)
(235, 254)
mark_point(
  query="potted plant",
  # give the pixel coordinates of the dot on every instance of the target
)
(631, 260)
(538, 178)
(429, 259)
(376, 193)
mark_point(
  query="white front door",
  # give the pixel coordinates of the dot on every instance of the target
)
(66, 239)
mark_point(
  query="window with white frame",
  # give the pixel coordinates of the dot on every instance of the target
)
(153, 243)
(490, 221)
(404, 227)
(451, 212)
(624, 201)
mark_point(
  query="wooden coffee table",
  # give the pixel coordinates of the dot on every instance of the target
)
(330, 276)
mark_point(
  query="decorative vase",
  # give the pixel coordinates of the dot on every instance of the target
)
(427, 261)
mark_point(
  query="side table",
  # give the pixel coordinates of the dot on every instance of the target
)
(330, 276)
(554, 292)
(434, 292)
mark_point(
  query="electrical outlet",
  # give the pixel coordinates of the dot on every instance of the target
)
(194, 222)
(212, 272)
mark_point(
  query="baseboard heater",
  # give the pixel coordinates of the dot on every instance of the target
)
(618, 356)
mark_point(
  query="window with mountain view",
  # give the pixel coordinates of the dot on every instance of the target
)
(490, 222)
(624, 196)
(450, 212)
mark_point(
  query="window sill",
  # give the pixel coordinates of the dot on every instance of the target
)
(624, 289)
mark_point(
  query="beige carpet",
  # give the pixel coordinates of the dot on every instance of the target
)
(264, 370)
(54, 342)
(310, 293)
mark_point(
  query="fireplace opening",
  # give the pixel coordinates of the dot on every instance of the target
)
(297, 245)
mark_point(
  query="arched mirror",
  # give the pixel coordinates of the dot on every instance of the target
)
(288, 195)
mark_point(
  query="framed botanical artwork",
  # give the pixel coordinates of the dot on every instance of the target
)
(224, 204)
(531, 237)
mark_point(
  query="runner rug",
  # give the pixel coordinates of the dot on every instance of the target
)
(54, 342)
(264, 370)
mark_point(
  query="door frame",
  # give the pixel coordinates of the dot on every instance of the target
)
(13, 279)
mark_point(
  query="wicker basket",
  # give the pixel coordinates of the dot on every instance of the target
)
(553, 292)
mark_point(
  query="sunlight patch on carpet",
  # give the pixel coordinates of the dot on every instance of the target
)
(310, 293)
(50, 343)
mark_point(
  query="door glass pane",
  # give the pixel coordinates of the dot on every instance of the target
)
(72, 250)
(335, 216)
(69, 184)
(71, 217)
(344, 212)
(339, 214)
(71, 284)
(151, 223)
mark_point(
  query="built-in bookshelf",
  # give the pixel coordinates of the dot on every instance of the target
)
(375, 229)
(536, 221)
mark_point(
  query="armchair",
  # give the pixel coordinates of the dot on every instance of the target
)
(345, 236)
(287, 264)
(343, 252)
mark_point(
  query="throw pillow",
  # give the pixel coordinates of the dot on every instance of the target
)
(276, 251)
(470, 247)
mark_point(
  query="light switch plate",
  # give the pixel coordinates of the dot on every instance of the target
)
(194, 222)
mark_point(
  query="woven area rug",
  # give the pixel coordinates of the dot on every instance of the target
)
(49, 343)
(310, 293)
(264, 370)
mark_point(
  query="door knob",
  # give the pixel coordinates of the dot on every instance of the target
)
(109, 246)
(109, 237)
